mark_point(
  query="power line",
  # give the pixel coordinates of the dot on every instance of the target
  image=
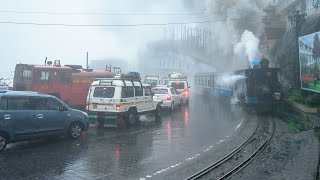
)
(113, 25)
(231, 7)
(113, 14)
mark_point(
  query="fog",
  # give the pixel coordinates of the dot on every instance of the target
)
(237, 36)
(32, 43)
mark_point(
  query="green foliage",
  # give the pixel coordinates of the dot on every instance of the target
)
(307, 98)
(313, 100)
(294, 124)
(296, 96)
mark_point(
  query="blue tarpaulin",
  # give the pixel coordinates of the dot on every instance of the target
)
(255, 62)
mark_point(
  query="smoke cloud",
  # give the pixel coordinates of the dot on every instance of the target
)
(236, 37)
(248, 47)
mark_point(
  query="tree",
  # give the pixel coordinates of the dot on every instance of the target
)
(316, 55)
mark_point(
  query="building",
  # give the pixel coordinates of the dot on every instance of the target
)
(162, 63)
(285, 9)
(305, 51)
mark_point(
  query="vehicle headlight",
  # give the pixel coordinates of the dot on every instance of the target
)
(85, 114)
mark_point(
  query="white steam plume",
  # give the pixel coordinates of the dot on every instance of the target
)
(248, 46)
(240, 21)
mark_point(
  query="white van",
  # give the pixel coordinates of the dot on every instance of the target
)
(180, 83)
(111, 99)
(153, 81)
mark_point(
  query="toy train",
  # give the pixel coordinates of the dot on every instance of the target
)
(258, 88)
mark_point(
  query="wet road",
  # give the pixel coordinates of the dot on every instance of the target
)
(125, 153)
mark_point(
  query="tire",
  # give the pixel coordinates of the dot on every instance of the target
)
(75, 130)
(172, 107)
(132, 117)
(101, 122)
(157, 113)
(3, 141)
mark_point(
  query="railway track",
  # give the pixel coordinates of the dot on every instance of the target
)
(241, 156)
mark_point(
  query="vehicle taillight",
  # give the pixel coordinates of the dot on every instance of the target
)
(118, 107)
(169, 97)
(87, 107)
(186, 92)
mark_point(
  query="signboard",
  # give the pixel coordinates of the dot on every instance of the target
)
(309, 57)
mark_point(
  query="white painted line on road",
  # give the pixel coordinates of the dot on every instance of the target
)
(176, 165)
(208, 149)
(239, 125)
(220, 141)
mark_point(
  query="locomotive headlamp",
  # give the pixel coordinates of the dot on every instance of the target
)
(277, 96)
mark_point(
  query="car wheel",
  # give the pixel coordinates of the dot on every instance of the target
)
(157, 113)
(3, 142)
(101, 123)
(172, 106)
(75, 130)
(132, 117)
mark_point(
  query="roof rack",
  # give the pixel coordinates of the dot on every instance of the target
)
(110, 80)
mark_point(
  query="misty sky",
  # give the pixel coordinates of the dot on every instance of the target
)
(31, 44)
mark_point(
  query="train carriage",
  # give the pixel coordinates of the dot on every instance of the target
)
(258, 88)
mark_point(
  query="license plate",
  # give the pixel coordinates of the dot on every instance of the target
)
(94, 106)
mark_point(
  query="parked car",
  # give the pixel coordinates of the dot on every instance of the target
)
(28, 115)
(170, 97)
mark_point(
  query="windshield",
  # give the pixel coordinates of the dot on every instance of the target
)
(178, 85)
(103, 92)
(160, 91)
(151, 81)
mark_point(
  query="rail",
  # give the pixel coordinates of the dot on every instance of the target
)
(227, 157)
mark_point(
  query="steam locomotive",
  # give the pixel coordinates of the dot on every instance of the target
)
(259, 87)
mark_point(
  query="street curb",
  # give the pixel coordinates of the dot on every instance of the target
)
(306, 113)
(302, 107)
(302, 112)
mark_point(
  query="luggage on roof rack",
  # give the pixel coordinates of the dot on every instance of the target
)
(131, 76)
(177, 76)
